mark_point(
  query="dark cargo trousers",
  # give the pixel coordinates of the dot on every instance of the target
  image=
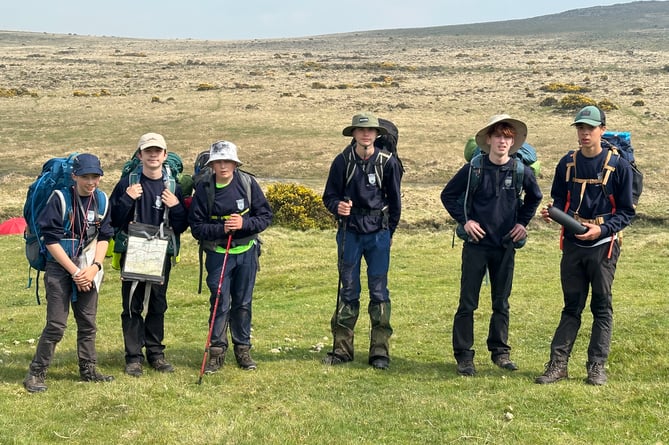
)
(580, 269)
(59, 288)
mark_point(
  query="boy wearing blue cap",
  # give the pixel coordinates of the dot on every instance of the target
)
(73, 270)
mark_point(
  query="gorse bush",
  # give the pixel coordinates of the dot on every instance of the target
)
(298, 207)
(564, 88)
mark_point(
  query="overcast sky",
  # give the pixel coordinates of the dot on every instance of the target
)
(262, 19)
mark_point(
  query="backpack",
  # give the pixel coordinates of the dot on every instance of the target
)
(173, 168)
(387, 145)
(527, 153)
(172, 175)
(618, 145)
(206, 175)
(55, 178)
(473, 181)
(621, 141)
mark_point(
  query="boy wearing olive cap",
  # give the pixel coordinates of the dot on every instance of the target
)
(589, 259)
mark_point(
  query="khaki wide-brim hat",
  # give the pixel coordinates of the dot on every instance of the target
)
(518, 126)
(364, 120)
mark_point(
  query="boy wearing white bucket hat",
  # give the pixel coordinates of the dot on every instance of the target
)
(229, 205)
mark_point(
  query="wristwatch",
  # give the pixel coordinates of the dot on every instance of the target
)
(98, 264)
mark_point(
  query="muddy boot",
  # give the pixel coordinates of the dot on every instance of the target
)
(89, 373)
(243, 357)
(555, 370)
(379, 354)
(342, 325)
(216, 359)
(34, 381)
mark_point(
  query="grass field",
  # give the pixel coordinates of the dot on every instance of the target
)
(293, 398)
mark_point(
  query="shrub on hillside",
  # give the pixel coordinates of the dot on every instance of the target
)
(556, 87)
(298, 207)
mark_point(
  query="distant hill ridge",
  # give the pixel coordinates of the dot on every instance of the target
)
(623, 17)
(637, 19)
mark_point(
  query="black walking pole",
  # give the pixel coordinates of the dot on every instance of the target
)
(213, 314)
(340, 262)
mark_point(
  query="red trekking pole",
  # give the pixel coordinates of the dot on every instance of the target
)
(213, 314)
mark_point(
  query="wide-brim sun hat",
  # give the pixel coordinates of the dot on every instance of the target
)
(223, 151)
(364, 120)
(519, 127)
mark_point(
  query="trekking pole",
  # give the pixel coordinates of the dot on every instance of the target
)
(213, 314)
(340, 261)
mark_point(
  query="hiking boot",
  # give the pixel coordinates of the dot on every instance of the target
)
(504, 362)
(596, 373)
(381, 363)
(34, 381)
(134, 369)
(216, 359)
(89, 373)
(334, 359)
(161, 365)
(466, 368)
(243, 357)
(555, 370)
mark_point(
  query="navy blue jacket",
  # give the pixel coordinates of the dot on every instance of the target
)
(495, 204)
(52, 227)
(228, 200)
(364, 194)
(148, 208)
(595, 202)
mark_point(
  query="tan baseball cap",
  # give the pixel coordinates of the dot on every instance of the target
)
(151, 140)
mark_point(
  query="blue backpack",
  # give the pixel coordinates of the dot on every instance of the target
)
(621, 143)
(55, 178)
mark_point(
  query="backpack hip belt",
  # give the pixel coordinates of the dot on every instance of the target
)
(369, 212)
(598, 220)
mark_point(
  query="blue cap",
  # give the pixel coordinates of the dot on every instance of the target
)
(85, 164)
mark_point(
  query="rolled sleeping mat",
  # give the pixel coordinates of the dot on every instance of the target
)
(566, 221)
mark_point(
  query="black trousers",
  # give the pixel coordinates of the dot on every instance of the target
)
(144, 331)
(59, 287)
(582, 269)
(500, 264)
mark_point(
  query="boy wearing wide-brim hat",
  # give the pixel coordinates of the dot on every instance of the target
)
(494, 220)
(364, 194)
(229, 203)
(73, 270)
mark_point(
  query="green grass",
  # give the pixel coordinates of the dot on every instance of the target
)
(293, 398)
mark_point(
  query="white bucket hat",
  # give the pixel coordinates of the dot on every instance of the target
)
(223, 151)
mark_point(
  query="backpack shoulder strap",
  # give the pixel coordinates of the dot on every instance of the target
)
(65, 197)
(103, 203)
(349, 157)
(473, 181)
(380, 165)
(519, 176)
(246, 182)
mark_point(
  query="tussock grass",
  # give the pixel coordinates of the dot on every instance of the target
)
(293, 398)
